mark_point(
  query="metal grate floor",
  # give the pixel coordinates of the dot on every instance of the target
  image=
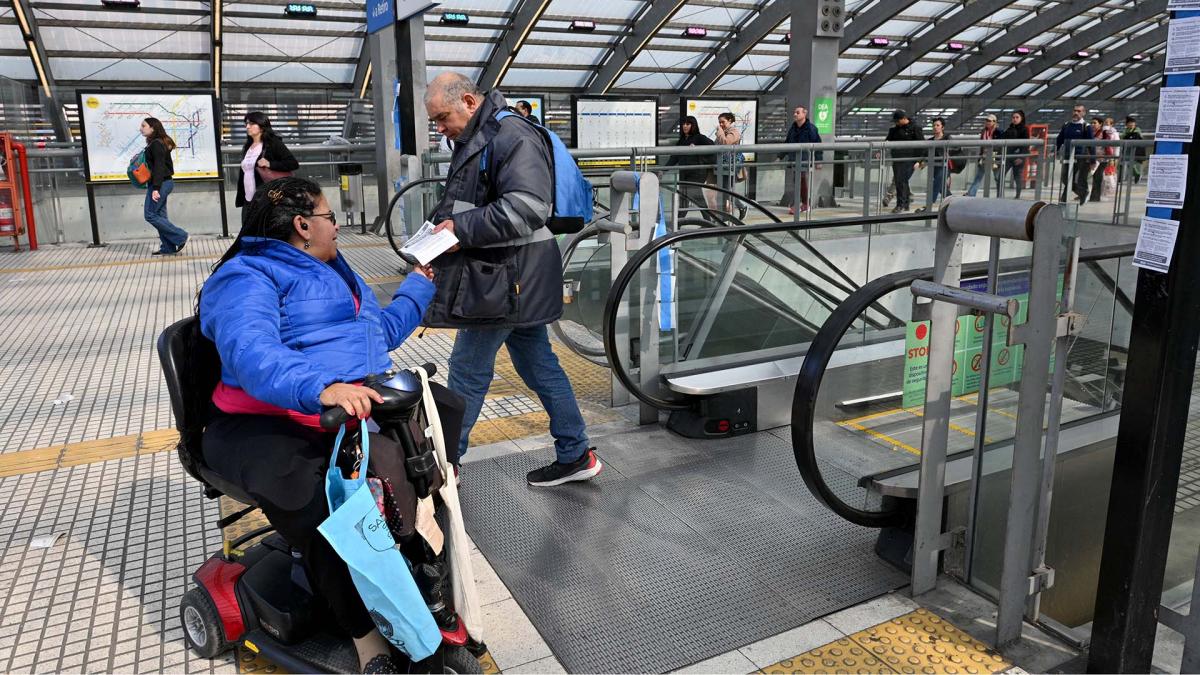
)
(681, 550)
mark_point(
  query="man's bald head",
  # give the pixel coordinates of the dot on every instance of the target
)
(451, 99)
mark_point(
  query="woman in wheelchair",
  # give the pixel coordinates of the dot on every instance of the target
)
(296, 328)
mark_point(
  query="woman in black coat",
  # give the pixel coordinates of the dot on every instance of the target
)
(264, 149)
(689, 134)
(1016, 165)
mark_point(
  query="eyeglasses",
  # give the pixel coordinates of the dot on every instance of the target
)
(331, 216)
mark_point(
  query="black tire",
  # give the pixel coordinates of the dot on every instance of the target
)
(458, 660)
(202, 627)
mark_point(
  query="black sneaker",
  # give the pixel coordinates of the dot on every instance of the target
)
(185, 241)
(585, 468)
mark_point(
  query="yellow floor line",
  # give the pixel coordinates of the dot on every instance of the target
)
(918, 642)
(86, 452)
(888, 440)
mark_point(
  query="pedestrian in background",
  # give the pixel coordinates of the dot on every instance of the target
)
(159, 147)
(991, 131)
(1074, 130)
(801, 131)
(1015, 165)
(265, 157)
(524, 109)
(1132, 133)
(731, 172)
(940, 159)
(689, 135)
(904, 160)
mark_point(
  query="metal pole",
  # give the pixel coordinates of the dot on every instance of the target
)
(981, 400)
(91, 197)
(224, 212)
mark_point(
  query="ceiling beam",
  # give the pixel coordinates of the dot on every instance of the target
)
(1053, 57)
(645, 27)
(895, 62)
(1150, 68)
(997, 46)
(525, 17)
(767, 20)
(863, 24)
(1089, 69)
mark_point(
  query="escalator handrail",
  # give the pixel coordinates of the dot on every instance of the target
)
(820, 352)
(617, 291)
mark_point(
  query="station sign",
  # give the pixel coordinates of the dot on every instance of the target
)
(383, 13)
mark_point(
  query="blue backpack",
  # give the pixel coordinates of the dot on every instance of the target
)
(573, 198)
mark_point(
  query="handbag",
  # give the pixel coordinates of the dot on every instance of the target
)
(462, 574)
(139, 171)
(359, 534)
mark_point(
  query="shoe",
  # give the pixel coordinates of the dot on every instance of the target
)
(804, 208)
(585, 468)
(792, 210)
(920, 210)
(162, 252)
(185, 241)
(886, 201)
(898, 209)
(383, 663)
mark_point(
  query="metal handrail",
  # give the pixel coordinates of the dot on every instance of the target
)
(617, 291)
(820, 352)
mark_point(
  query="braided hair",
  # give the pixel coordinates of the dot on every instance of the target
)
(270, 215)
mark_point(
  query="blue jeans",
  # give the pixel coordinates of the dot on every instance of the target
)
(979, 180)
(170, 235)
(939, 184)
(473, 364)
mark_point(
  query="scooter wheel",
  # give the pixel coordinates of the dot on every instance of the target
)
(456, 659)
(202, 628)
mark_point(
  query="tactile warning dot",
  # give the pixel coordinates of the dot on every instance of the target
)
(922, 642)
(489, 664)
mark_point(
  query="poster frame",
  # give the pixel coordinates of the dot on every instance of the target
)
(576, 98)
(757, 108)
(543, 98)
(217, 125)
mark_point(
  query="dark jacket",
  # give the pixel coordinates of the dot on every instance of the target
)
(1074, 131)
(1134, 134)
(1016, 131)
(806, 133)
(695, 138)
(274, 151)
(508, 271)
(162, 167)
(908, 132)
(287, 325)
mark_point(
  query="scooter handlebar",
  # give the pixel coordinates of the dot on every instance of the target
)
(336, 416)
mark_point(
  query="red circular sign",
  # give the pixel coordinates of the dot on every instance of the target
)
(922, 331)
(1003, 358)
(976, 362)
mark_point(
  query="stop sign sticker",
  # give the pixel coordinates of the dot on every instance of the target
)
(976, 362)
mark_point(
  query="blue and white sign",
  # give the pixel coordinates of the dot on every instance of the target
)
(383, 13)
(380, 14)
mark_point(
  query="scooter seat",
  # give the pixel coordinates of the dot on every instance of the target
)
(218, 483)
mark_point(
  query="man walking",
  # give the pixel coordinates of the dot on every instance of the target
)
(503, 284)
(801, 131)
(904, 159)
(1073, 131)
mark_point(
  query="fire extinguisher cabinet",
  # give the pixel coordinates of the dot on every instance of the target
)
(10, 210)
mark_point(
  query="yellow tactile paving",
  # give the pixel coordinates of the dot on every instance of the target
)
(86, 452)
(841, 656)
(918, 642)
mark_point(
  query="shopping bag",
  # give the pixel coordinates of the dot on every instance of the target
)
(359, 533)
(462, 574)
(1109, 187)
(139, 171)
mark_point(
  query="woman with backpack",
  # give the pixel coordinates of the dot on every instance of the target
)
(1016, 165)
(264, 158)
(159, 147)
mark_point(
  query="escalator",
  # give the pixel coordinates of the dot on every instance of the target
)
(857, 441)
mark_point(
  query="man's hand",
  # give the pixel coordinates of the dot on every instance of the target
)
(447, 224)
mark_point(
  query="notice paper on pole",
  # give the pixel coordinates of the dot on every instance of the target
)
(1167, 182)
(1155, 244)
(1176, 113)
(1183, 46)
(1173, 5)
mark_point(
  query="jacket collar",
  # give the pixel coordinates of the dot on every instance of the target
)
(479, 131)
(285, 252)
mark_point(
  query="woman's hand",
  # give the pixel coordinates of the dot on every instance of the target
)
(352, 398)
(424, 270)
(155, 196)
(262, 162)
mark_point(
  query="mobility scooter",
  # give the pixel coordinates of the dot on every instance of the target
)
(261, 597)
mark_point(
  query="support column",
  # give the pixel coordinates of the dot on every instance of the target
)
(398, 92)
(817, 28)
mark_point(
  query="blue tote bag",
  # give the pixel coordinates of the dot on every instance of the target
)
(359, 534)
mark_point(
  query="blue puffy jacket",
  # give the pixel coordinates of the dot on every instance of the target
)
(286, 327)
